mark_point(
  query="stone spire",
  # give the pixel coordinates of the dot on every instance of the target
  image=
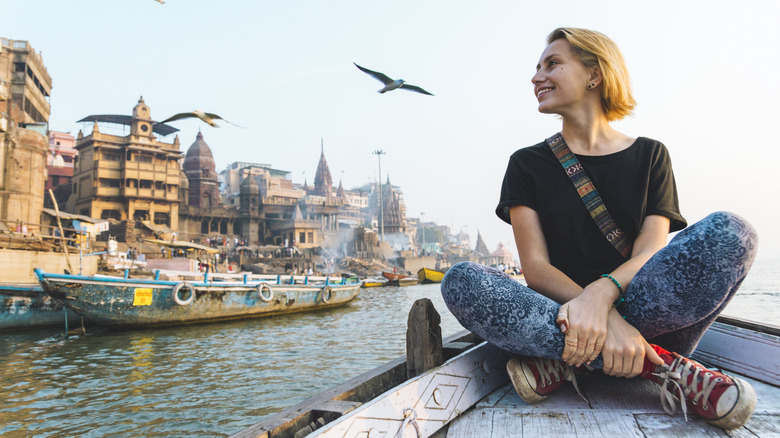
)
(323, 182)
(481, 248)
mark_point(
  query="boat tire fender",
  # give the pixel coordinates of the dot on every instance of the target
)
(264, 292)
(327, 292)
(178, 288)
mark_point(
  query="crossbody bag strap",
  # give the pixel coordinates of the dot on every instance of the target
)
(589, 195)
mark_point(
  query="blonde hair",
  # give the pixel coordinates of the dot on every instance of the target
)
(597, 50)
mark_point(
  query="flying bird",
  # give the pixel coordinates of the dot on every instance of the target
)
(206, 117)
(392, 84)
(160, 2)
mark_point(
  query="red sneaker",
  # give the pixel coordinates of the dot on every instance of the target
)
(723, 401)
(534, 379)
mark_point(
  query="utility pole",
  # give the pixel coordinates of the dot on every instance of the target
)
(379, 154)
(422, 227)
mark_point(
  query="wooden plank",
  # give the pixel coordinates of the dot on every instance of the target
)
(423, 338)
(474, 423)
(768, 396)
(557, 424)
(507, 423)
(616, 393)
(433, 399)
(495, 397)
(762, 426)
(742, 350)
(663, 425)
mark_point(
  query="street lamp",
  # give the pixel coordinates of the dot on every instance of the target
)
(379, 154)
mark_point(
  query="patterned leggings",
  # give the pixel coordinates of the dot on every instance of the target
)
(672, 300)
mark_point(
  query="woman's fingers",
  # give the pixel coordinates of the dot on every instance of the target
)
(652, 356)
(598, 346)
(569, 347)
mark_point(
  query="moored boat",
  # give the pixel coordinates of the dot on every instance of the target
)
(406, 281)
(396, 279)
(27, 306)
(375, 282)
(426, 275)
(129, 302)
(470, 395)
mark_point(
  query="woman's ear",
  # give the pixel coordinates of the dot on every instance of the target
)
(595, 77)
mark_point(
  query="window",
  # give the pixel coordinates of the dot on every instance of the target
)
(310, 236)
(111, 156)
(161, 218)
(19, 67)
(158, 185)
(110, 214)
(302, 237)
(145, 184)
(106, 182)
(144, 159)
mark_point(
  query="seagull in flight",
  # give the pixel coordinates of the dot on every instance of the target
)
(206, 117)
(391, 84)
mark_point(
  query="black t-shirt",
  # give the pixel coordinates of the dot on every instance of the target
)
(633, 183)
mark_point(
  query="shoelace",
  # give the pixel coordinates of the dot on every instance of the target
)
(549, 368)
(678, 374)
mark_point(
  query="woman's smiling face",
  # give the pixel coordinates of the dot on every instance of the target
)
(561, 79)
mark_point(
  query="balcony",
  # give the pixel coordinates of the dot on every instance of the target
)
(108, 191)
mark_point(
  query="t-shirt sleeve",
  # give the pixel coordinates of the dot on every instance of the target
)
(516, 188)
(662, 191)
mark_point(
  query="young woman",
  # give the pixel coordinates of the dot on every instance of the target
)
(605, 291)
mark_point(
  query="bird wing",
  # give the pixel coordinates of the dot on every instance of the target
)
(415, 88)
(379, 76)
(178, 117)
(214, 116)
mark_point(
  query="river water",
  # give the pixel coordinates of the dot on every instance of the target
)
(212, 380)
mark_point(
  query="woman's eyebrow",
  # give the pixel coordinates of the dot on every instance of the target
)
(547, 58)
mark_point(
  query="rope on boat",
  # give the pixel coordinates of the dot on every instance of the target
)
(410, 417)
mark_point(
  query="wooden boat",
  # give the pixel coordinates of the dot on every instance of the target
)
(27, 306)
(406, 281)
(429, 276)
(127, 302)
(393, 276)
(375, 282)
(395, 279)
(469, 395)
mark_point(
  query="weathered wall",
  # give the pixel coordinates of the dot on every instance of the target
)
(415, 264)
(21, 188)
(18, 265)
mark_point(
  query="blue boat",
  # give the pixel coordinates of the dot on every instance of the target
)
(130, 302)
(27, 306)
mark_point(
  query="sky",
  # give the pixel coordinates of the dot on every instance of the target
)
(705, 74)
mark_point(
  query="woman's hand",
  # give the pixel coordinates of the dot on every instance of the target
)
(584, 321)
(625, 349)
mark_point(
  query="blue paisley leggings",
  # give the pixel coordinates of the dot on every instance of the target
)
(672, 300)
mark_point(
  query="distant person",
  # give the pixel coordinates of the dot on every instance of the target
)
(605, 290)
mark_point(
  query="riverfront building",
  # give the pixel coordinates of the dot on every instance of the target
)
(59, 159)
(133, 177)
(25, 86)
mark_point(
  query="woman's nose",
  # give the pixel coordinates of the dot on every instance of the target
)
(536, 78)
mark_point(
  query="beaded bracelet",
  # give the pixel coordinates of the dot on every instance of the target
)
(621, 297)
